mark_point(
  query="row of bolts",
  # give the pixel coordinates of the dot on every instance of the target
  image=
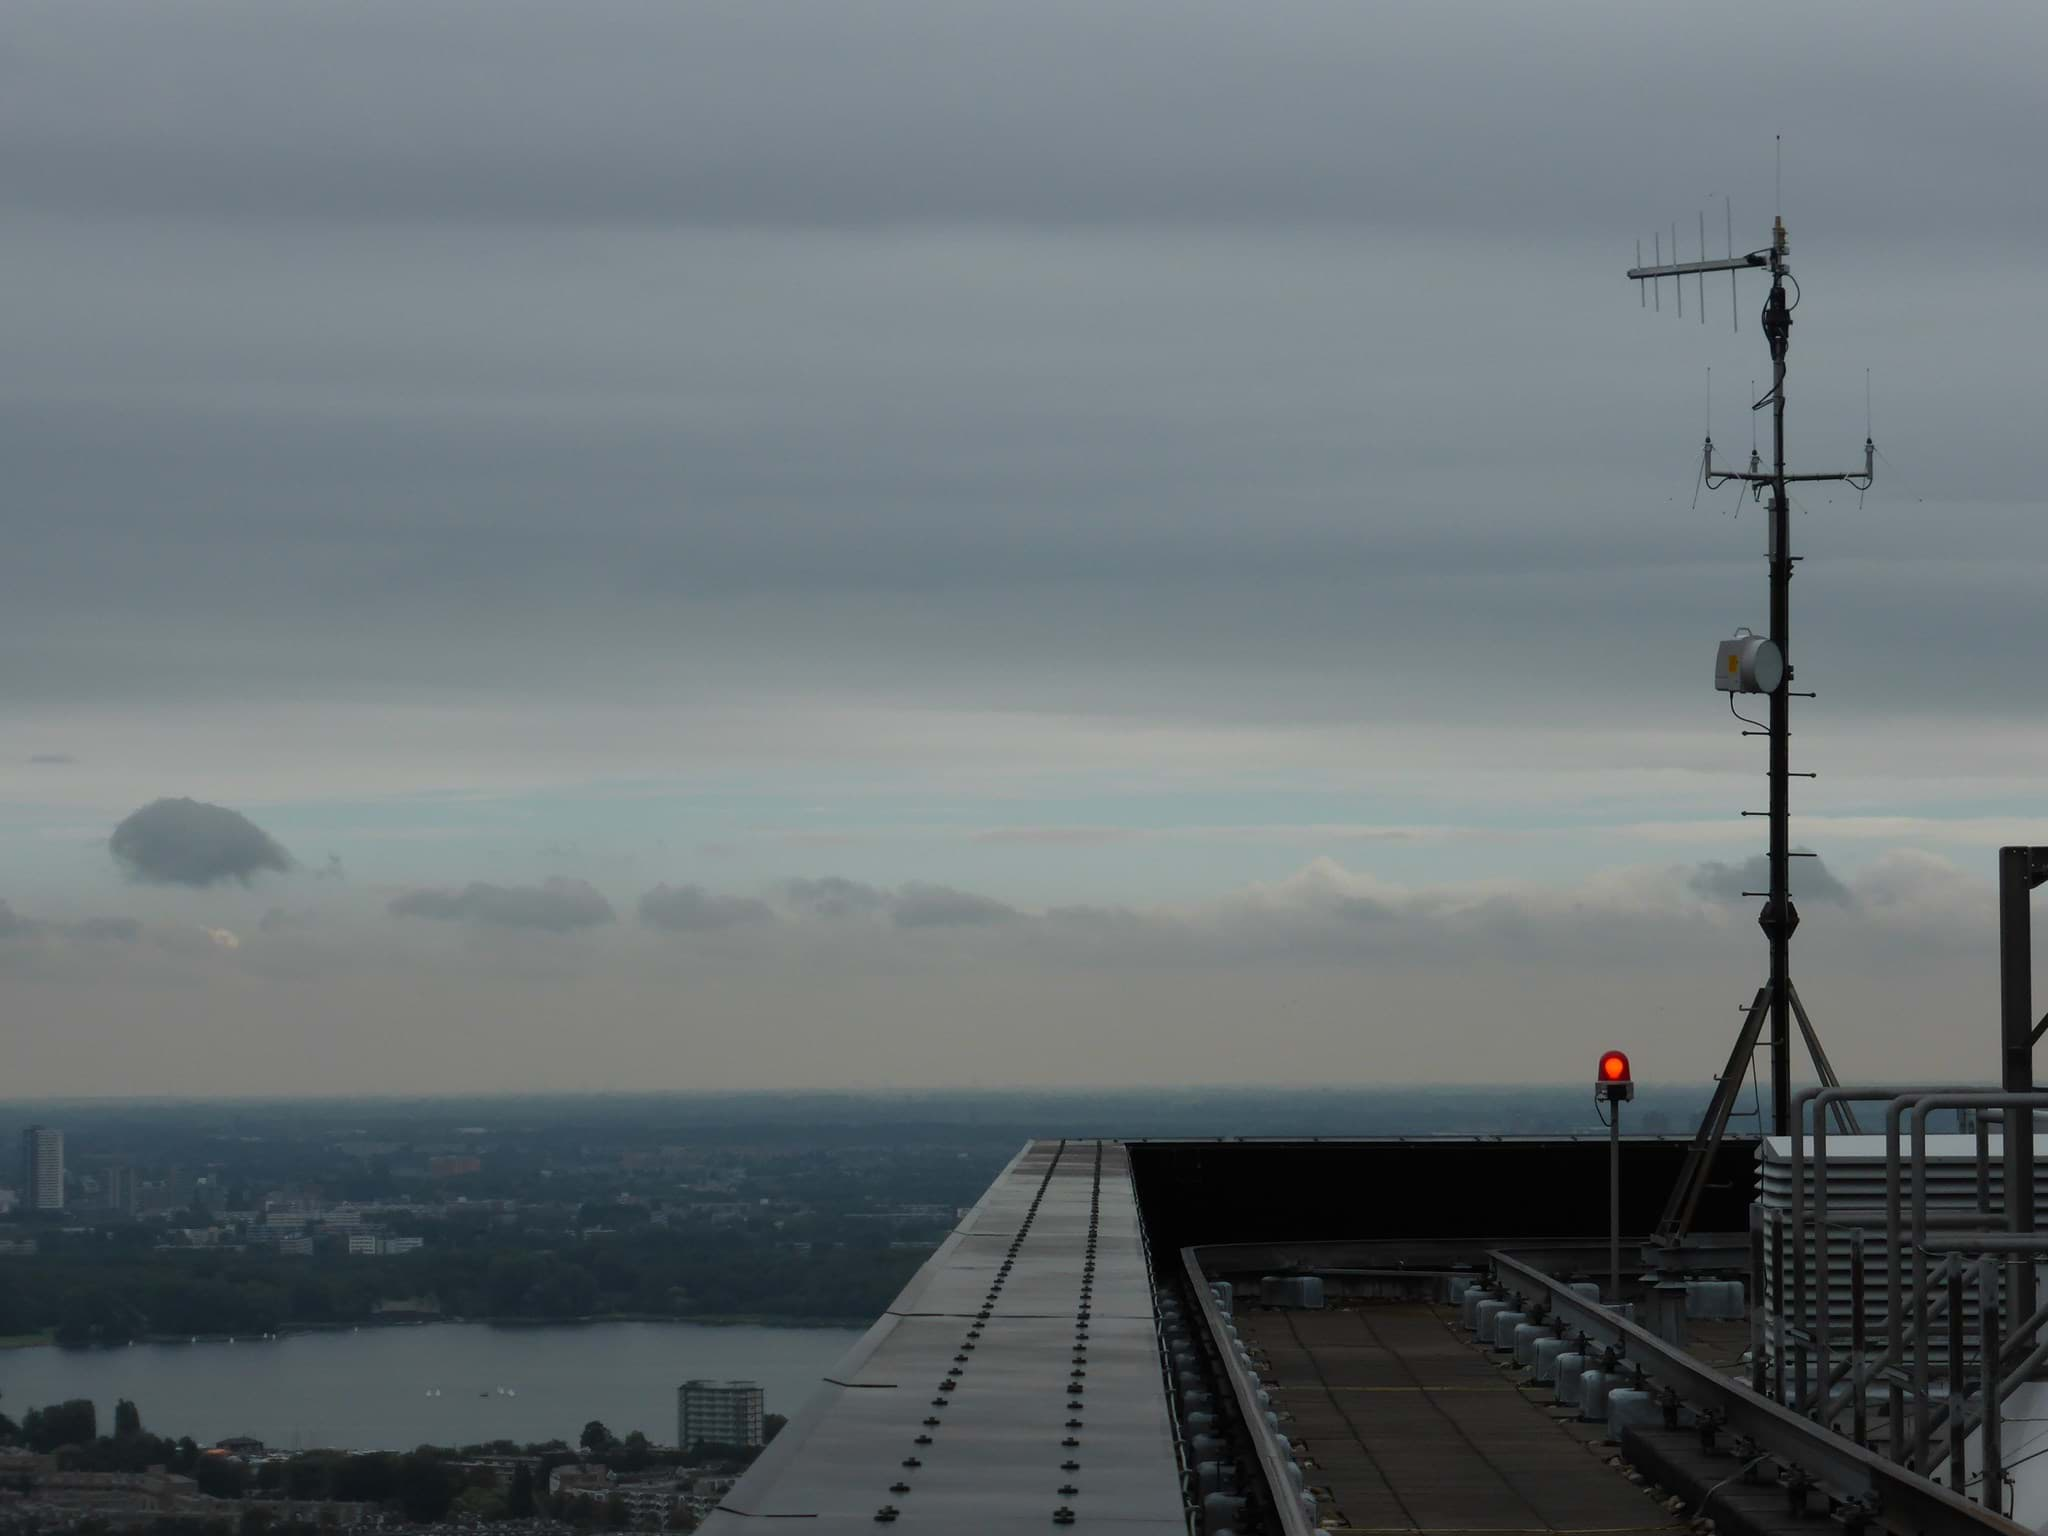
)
(1063, 1514)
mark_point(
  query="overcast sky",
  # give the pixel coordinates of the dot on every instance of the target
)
(906, 544)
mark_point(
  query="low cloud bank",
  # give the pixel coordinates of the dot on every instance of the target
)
(556, 906)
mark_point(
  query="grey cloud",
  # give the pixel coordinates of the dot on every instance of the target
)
(1327, 914)
(123, 930)
(1108, 466)
(692, 909)
(1057, 837)
(92, 929)
(833, 897)
(282, 920)
(51, 759)
(557, 905)
(188, 842)
(915, 905)
(1811, 880)
(942, 906)
(913, 111)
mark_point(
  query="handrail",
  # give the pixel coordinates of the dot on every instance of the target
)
(1902, 1500)
(1190, 1490)
(1822, 1098)
(1286, 1499)
(1922, 1105)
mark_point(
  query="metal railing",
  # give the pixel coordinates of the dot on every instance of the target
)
(1896, 1497)
(1926, 1278)
(1244, 1389)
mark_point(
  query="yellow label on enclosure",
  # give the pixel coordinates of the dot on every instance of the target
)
(1732, 662)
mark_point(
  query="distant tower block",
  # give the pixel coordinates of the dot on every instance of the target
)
(718, 1413)
(42, 1168)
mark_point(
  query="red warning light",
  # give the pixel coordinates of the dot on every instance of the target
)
(1615, 1081)
(1614, 1067)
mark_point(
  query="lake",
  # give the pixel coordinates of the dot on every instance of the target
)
(438, 1384)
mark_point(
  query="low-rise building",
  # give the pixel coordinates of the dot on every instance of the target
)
(575, 1478)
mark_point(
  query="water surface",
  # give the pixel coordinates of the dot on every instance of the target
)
(438, 1384)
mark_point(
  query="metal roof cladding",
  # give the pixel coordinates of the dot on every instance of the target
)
(1020, 1365)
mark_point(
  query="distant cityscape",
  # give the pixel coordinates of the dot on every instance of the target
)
(66, 1476)
(191, 1222)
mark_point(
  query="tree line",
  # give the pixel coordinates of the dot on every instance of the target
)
(84, 1293)
(425, 1486)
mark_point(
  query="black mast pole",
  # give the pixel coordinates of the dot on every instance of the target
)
(1779, 916)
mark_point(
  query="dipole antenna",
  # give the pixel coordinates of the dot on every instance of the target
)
(1762, 664)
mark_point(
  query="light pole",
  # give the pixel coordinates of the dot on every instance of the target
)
(1614, 1085)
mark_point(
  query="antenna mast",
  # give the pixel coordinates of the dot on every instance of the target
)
(1777, 1000)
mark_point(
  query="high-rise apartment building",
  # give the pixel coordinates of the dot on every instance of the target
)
(42, 1169)
(117, 1188)
(718, 1413)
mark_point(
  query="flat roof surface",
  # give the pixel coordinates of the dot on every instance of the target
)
(1408, 1427)
(1060, 1343)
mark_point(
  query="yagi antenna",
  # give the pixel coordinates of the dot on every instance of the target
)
(1697, 270)
(1758, 664)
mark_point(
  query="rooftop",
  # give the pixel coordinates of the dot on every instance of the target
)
(1119, 1334)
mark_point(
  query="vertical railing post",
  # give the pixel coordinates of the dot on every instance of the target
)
(2017, 878)
(1859, 1419)
(1958, 1390)
(1923, 1349)
(1991, 1347)
(1983, 1127)
(1757, 1381)
(1778, 1307)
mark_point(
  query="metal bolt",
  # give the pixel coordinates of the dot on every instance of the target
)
(1070, 1465)
(1797, 1485)
(885, 1514)
(912, 1461)
(1067, 1490)
(899, 1487)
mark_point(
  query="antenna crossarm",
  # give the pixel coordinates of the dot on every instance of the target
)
(1687, 268)
(1861, 479)
(1851, 475)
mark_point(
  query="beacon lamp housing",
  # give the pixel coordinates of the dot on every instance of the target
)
(1749, 664)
